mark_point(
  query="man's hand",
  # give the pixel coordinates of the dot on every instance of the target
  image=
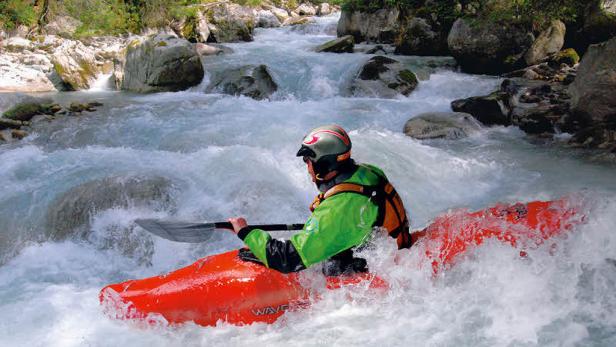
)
(238, 223)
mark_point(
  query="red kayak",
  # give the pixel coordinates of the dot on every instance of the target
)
(224, 288)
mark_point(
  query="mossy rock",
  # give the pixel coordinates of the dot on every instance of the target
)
(134, 44)
(340, 45)
(567, 56)
(408, 76)
(25, 111)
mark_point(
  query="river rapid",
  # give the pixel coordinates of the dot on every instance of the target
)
(231, 156)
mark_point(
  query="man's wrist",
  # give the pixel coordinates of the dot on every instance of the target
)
(244, 232)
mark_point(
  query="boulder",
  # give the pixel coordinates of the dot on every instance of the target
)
(340, 45)
(18, 44)
(383, 77)
(378, 49)
(194, 28)
(489, 110)
(75, 66)
(381, 26)
(70, 213)
(161, 63)
(18, 134)
(6, 123)
(252, 81)
(266, 19)
(567, 56)
(324, 9)
(418, 37)
(64, 26)
(18, 77)
(593, 95)
(229, 22)
(599, 21)
(117, 74)
(306, 9)
(291, 21)
(488, 47)
(549, 42)
(441, 125)
(49, 43)
(205, 50)
(281, 14)
(25, 111)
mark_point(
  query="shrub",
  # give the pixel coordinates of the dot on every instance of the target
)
(16, 12)
(98, 17)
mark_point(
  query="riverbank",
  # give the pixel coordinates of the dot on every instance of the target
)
(545, 98)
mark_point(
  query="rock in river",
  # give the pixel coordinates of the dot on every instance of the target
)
(489, 47)
(594, 96)
(161, 63)
(74, 66)
(441, 125)
(71, 212)
(384, 77)
(252, 81)
(340, 45)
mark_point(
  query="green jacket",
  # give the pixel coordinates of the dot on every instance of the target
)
(341, 222)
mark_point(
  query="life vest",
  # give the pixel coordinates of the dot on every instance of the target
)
(391, 214)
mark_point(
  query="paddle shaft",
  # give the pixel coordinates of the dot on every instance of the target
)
(266, 227)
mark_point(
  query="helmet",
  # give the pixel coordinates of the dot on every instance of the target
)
(328, 147)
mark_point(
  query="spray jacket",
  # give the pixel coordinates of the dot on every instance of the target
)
(337, 224)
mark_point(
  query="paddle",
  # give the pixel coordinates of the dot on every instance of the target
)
(199, 232)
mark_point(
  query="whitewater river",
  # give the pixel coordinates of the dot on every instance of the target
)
(236, 156)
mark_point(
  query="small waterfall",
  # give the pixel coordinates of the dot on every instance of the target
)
(103, 83)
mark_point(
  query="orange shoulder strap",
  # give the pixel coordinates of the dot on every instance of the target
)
(344, 188)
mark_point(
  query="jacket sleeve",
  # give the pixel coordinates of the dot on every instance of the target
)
(339, 223)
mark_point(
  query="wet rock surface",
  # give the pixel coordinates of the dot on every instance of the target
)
(594, 97)
(29, 110)
(549, 42)
(161, 63)
(488, 47)
(420, 37)
(384, 77)
(251, 81)
(380, 26)
(441, 125)
(230, 22)
(340, 45)
(537, 107)
(74, 65)
(71, 212)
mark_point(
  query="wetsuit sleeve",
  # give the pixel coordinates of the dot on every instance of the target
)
(339, 223)
(276, 254)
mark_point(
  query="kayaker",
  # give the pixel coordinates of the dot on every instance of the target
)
(354, 200)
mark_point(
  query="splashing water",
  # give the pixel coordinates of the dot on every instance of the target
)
(235, 156)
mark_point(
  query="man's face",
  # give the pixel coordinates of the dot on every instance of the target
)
(310, 167)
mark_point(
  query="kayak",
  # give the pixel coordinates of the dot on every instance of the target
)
(224, 288)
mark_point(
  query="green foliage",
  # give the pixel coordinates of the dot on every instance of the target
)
(365, 5)
(251, 3)
(16, 12)
(98, 17)
(535, 13)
